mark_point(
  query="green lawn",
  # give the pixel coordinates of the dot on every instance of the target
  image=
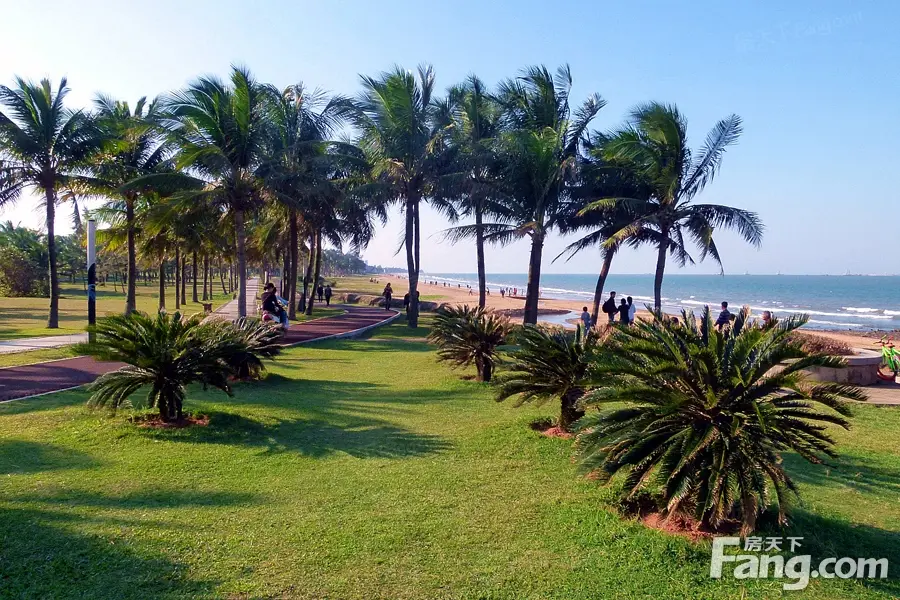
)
(363, 469)
(27, 317)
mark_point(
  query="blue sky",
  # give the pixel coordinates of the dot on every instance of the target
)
(815, 81)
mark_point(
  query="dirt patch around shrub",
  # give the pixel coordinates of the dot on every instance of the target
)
(154, 421)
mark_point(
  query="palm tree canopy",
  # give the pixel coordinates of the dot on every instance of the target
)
(42, 143)
(653, 147)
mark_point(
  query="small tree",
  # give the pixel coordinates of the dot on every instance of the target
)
(708, 414)
(467, 336)
(549, 365)
(166, 353)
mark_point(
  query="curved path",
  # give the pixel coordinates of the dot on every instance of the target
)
(54, 376)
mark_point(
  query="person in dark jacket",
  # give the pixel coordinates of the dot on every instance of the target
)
(609, 307)
(623, 312)
(321, 293)
(328, 294)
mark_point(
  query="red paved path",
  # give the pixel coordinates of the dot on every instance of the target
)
(29, 380)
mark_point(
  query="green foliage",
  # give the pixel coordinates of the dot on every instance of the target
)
(168, 352)
(19, 275)
(470, 335)
(549, 364)
(262, 340)
(708, 414)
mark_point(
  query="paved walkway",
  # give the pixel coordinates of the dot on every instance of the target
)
(230, 310)
(41, 343)
(57, 375)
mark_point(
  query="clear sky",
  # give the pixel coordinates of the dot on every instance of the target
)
(816, 82)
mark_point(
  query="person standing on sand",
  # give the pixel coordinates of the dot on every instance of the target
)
(586, 318)
(328, 294)
(387, 293)
(632, 310)
(623, 312)
(609, 307)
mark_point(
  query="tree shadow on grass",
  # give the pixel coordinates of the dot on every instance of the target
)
(855, 472)
(361, 437)
(50, 553)
(22, 456)
(826, 537)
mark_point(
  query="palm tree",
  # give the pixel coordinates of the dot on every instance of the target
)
(707, 414)
(219, 132)
(133, 148)
(168, 352)
(475, 118)
(596, 208)
(653, 148)
(467, 336)
(397, 120)
(550, 365)
(46, 147)
(537, 154)
(298, 169)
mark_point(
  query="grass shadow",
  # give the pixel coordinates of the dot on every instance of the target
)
(45, 554)
(360, 437)
(19, 457)
(848, 470)
(825, 537)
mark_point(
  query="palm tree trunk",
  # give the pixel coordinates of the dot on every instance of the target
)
(177, 277)
(240, 238)
(292, 276)
(412, 260)
(195, 272)
(569, 412)
(130, 297)
(660, 269)
(53, 318)
(601, 281)
(206, 286)
(317, 270)
(533, 292)
(479, 251)
(183, 267)
(222, 277)
(285, 267)
(309, 266)
(162, 284)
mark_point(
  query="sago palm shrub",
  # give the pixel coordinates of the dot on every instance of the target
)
(262, 341)
(470, 335)
(707, 414)
(163, 354)
(549, 365)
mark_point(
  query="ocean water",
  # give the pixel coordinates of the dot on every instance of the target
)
(832, 302)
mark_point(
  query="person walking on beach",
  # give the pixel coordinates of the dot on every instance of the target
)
(632, 310)
(623, 312)
(586, 318)
(724, 317)
(387, 293)
(609, 307)
(328, 294)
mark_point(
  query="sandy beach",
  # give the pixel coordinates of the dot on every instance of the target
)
(462, 295)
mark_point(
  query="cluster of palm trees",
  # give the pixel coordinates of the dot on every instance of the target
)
(239, 170)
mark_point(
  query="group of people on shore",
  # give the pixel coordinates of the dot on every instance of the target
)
(625, 310)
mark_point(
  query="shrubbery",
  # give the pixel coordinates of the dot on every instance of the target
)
(20, 276)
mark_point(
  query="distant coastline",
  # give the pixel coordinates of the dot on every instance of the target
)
(834, 302)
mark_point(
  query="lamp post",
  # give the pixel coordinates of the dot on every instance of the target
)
(92, 275)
